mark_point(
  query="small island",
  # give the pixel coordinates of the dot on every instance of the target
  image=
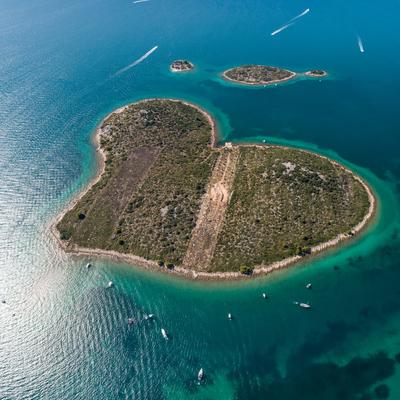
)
(316, 73)
(166, 197)
(181, 66)
(258, 75)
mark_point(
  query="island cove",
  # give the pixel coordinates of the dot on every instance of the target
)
(167, 197)
(262, 75)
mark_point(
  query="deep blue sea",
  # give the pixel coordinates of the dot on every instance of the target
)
(63, 335)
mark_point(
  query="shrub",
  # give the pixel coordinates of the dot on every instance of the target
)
(246, 270)
(170, 265)
(303, 250)
(65, 234)
(81, 216)
(161, 263)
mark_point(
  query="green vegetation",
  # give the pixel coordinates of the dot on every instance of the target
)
(283, 202)
(317, 73)
(159, 160)
(257, 74)
(181, 66)
(263, 203)
(246, 270)
(65, 234)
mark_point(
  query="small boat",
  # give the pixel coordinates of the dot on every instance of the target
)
(164, 333)
(309, 286)
(200, 375)
(302, 305)
(264, 295)
(88, 265)
(131, 321)
(110, 284)
(229, 316)
(264, 141)
(148, 316)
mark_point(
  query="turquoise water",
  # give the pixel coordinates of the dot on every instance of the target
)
(63, 335)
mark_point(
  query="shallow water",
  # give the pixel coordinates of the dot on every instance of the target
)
(63, 334)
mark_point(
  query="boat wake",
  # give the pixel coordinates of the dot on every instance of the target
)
(302, 14)
(138, 61)
(140, 1)
(282, 28)
(360, 44)
(291, 22)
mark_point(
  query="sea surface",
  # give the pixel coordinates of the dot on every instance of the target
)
(63, 334)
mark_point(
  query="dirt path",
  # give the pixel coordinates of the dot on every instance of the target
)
(212, 211)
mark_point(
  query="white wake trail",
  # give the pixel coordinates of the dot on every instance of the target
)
(291, 22)
(305, 12)
(360, 44)
(282, 28)
(138, 61)
(140, 1)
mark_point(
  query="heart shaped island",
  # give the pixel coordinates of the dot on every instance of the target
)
(166, 196)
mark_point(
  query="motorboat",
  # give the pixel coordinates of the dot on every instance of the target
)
(302, 305)
(200, 375)
(164, 333)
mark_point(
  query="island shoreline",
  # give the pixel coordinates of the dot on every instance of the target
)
(263, 83)
(137, 261)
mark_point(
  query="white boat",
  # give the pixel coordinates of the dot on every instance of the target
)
(148, 316)
(229, 316)
(131, 321)
(309, 286)
(264, 295)
(200, 375)
(164, 333)
(88, 265)
(302, 305)
(110, 284)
